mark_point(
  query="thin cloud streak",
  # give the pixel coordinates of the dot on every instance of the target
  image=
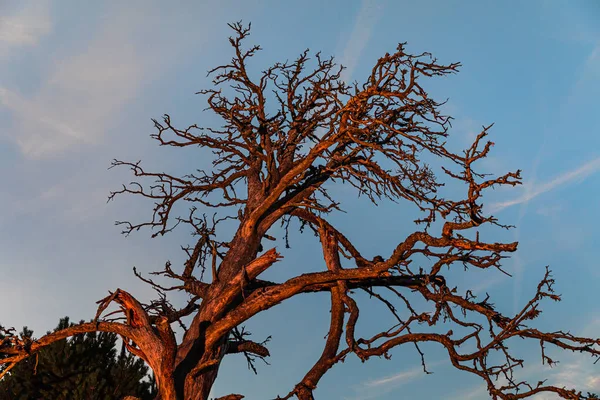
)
(588, 76)
(359, 38)
(86, 90)
(396, 379)
(572, 373)
(25, 27)
(78, 97)
(532, 191)
(376, 388)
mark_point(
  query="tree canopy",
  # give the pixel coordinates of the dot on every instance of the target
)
(289, 135)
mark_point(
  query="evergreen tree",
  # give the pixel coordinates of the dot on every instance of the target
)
(84, 367)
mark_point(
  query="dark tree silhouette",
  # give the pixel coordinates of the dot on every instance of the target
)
(84, 367)
(287, 134)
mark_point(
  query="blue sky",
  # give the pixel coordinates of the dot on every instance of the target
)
(80, 81)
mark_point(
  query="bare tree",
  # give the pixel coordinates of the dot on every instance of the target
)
(287, 134)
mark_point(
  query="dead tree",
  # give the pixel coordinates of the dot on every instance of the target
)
(286, 134)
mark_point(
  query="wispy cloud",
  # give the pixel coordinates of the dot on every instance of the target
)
(593, 60)
(576, 375)
(78, 96)
(374, 388)
(396, 379)
(532, 191)
(480, 287)
(552, 210)
(476, 392)
(574, 372)
(359, 37)
(25, 27)
(587, 80)
(467, 129)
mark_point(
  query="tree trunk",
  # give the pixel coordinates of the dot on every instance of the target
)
(199, 388)
(192, 351)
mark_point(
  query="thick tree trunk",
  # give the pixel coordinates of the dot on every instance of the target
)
(199, 388)
(192, 354)
(192, 351)
(195, 389)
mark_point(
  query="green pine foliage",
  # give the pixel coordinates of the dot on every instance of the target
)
(83, 367)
